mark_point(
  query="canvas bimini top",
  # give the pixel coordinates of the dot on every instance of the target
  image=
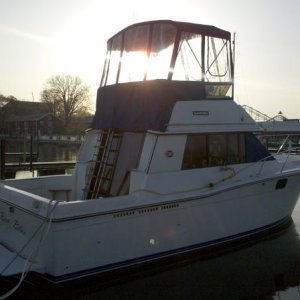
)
(151, 65)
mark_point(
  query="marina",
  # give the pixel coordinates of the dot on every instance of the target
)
(170, 168)
(42, 168)
(54, 157)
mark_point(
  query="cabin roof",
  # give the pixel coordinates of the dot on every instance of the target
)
(184, 26)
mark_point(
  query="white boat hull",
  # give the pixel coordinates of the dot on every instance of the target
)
(104, 240)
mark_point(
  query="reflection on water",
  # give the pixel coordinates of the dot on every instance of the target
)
(53, 152)
(26, 174)
(46, 151)
(264, 268)
(291, 293)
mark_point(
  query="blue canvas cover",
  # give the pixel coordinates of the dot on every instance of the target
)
(141, 106)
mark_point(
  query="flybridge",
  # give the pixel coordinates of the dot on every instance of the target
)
(168, 50)
(151, 65)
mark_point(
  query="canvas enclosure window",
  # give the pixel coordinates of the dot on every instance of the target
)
(135, 55)
(188, 64)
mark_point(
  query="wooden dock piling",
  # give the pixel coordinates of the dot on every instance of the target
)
(2, 159)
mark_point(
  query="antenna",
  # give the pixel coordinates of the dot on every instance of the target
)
(233, 49)
(233, 63)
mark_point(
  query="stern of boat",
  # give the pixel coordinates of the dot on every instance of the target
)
(24, 226)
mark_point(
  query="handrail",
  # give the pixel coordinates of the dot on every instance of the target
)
(254, 163)
(283, 143)
(288, 137)
(288, 152)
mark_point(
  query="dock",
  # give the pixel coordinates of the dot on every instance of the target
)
(43, 168)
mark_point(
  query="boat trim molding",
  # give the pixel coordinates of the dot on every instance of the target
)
(169, 203)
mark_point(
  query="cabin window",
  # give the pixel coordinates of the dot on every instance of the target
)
(217, 63)
(209, 150)
(160, 50)
(189, 59)
(135, 56)
(235, 148)
(195, 154)
(114, 59)
(216, 90)
(217, 68)
(216, 149)
(255, 151)
(163, 39)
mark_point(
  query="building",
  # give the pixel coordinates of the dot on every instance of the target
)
(19, 118)
(36, 125)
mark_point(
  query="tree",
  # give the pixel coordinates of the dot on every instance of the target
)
(5, 99)
(67, 95)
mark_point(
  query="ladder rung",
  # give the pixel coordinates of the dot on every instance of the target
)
(101, 172)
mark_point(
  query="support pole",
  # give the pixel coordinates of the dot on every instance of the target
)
(2, 159)
(31, 152)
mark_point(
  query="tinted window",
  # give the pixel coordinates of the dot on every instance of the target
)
(208, 150)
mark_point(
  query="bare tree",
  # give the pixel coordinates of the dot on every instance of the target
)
(67, 95)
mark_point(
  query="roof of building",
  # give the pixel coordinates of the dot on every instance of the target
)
(19, 108)
(35, 117)
(287, 125)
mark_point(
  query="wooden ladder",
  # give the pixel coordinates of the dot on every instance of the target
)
(106, 156)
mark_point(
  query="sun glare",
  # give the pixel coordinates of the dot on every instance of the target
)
(26, 35)
(137, 65)
(80, 47)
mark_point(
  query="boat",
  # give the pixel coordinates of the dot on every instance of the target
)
(170, 165)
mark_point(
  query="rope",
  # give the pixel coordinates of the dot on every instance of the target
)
(32, 256)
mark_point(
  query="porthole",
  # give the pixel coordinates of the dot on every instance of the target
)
(169, 153)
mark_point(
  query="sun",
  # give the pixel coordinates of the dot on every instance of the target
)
(80, 47)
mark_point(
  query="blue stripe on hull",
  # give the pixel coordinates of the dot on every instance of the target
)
(148, 258)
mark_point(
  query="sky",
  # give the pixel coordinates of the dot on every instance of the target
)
(42, 38)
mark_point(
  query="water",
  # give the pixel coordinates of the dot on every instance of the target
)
(52, 151)
(48, 152)
(263, 268)
(58, 152)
